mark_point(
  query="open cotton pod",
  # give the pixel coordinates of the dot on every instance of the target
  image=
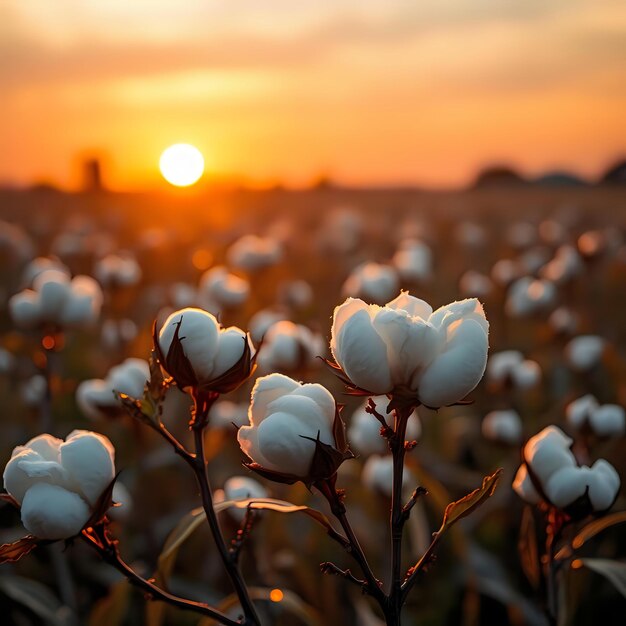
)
(432, 358)
(364, 430)
(551, 475)
(97, 398)
(295, 431)
(373, 282)
(585, 352)
(58, 484)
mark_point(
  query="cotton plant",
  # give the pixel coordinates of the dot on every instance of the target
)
(503, 426)
(585, 352)
(220, 289)
(509, 368)
(413, 261)
(529, 296)
(98, 398)
(373, 281)
(117, 271)
(401, 355)
(252, 253)
(60, 486)
(289, 348)
(57, 302)
(473, 284)
(364, 433)
(587, 415)
(566, 493)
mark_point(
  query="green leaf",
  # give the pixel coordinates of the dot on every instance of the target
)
(37, 598)
(289, 601)
(463, 507)
(613, 571)
(111, 610)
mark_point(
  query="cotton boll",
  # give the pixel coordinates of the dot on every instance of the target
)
(475, 285)
(527, 374)
(39, 265)
(522, 234)
(503, 426)
(413, 261)
(534, 259)
(289, 347)
(470, 234)
(252, 253)
(296, 294)
(564, 321)
(364, 431)
(7, 361)
(115, 270)
(527, 296)
(210, 350)
(242, 488)
(373, 282)
(124, 503)
(116, 333)
(228, 415)
(57, 301)
(501, 364)
(578, 412)
(377, 474)
(505, 271)
(97, 398)
(183, 295)
(342, 230)
(226, 290)
(440, 357)
(524, 487)
(51, 512)
(25, 309)
(33, 391)
(608, 420)
(286, 419)
(59, 484)
(578, 490)
(261, 322)
(584, 352)
(565, 266)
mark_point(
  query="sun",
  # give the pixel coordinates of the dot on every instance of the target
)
(181, 164)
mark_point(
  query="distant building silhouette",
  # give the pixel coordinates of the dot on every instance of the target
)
(92, 175)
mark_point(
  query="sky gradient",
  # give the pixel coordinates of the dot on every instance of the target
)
(394, 91)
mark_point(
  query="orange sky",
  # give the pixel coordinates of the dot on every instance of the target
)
(392, 91)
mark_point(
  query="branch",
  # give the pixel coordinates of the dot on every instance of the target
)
(331, 568)
(198, 464)
(372, 585)
(370, 408)
(99, 539)
(399, 513)
(427, 559)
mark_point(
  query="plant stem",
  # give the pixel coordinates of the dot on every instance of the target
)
(198, 463)
(553, 532)
(109, 552)
(398, 516)
(419, 566)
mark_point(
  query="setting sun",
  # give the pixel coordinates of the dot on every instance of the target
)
(181, 164)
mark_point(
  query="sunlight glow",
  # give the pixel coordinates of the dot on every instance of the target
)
(276, 595)
(181, 164)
